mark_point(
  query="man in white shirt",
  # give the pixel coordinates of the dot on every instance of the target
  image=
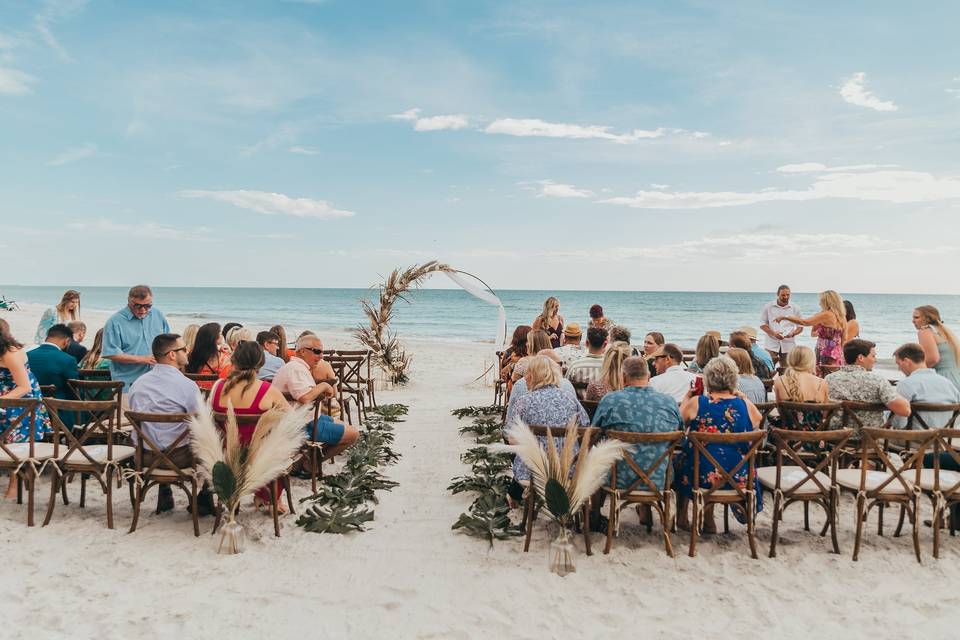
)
(587, 369)
(571, 349)
(780, 333)
(671, 379)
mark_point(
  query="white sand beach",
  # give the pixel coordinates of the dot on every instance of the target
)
(410, 576)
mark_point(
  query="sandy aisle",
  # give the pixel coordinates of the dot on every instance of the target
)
(411, 576)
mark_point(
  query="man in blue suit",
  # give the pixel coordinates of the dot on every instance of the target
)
(51, 365)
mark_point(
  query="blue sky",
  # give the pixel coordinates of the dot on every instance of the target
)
(553, 145)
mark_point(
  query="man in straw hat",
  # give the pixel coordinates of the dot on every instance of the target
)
(571, 349)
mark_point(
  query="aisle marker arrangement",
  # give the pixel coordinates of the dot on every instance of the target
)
(342, 503)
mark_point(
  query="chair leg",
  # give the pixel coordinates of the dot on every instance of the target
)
(586, 527)
(83, 490)
(937, 520)
(777, 507)
(31, 484)
(131, 484)
(286, 486)
(63, 490)
(19, 481)
(861, 516)
(110, 499)
(693, 529)
(136, 506)
(726, 518)
(903, 513)
(916, 530)
(880, 519)
(194, 508)
(55, 480)
(665, 524)
(751, 512)
(806, 515)
(834, 516)
(274, 509)
(529, 520)
(611, 522)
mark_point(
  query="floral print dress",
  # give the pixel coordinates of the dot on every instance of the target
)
(547, 406)
(41, 423)
(727, 415)
(829, 346)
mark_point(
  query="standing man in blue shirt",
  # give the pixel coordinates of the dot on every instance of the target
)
(128, 336)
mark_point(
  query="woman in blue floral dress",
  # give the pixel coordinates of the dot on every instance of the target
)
(721, 409)
(16, 381)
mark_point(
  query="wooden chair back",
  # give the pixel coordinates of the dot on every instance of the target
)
(144, 443)
(917, 421)
(15, 455)
(851, 417)
(669, 439)
(906, 473)
(790, 446)
(97, 390)
(102, 425)
(94, 374)
(807, 415)
(203, 377)
(559, 432)
(943, 447)
(700, 440)
(48, 390)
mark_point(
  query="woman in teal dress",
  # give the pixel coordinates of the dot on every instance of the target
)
(940, 345)
(16, 381)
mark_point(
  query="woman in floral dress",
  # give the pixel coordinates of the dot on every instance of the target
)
(829, 326)
(17, 382)
(721, 409)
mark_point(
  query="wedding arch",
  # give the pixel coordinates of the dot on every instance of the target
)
(388, 351)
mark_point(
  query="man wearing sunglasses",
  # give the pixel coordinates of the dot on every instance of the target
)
(128, 337)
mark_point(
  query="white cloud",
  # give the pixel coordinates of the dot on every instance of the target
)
(15, 82)
(817, 167)
(877, 186)
(54, 11)
(656, 185)
(551, 189)
(855, 92)
(271, 203)
(74, 154)
(432, 123)
(534, 127)
(304, 151)
(151, 230)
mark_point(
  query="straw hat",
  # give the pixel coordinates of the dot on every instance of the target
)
(750, 331)
(572, 330)
(714, 333)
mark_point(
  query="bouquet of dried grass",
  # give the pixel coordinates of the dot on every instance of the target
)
(236, 470)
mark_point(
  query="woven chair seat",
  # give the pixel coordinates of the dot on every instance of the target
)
(850, 479)
(789, 477)
(41, 451)
(947, 479)
(623, 494)
(170, 473)
(99, 454)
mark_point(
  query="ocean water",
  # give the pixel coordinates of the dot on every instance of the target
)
(447, 314)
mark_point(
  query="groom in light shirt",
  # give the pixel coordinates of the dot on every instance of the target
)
(780, 333)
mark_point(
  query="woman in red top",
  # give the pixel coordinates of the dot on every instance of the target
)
(248, 397)
(206, 356)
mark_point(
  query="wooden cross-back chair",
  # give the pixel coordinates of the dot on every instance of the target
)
(941, 485)
(102, 460)
(351, 381)
(203, 377)
(162, 471)
(94, 374)
(727, 493)
(531, 500)
(342, 400)
(98, 390)
(25, 460)
(366, 374)
(643, 491)
(897, 483)
(851, 418)
(797, 477)
(48, 390)
(312, 450)
(498, 384)
(272, 486)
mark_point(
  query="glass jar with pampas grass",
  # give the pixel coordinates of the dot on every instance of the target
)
(236, 470)
(563, 478)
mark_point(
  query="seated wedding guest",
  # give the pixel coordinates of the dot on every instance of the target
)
(270, 343)
(587, 369)
(853, 325)
(75, 349)
(757, 352)
(598, 320)
(520, 388)
(708, 348)
(93, 359)
(856, 382)
(516, 352)
(721, 409)
(52, 366)
(236, 335)
(164, 389)
(544, 404)
(651, 345)
(190, 336)
(295, 380)
(18, 382)
(611, 374)
(939, 343)
(67, 310)
(538, 344)
(284, 352)
(800, 382)
(128, 334)
(922, 384)
(227, 328)
(619, 333)
(206, 357)
(747, 383)
(638, 408)
(741, 340)
(672, 379)
(251, 397)
(550, 321)
(570, 350)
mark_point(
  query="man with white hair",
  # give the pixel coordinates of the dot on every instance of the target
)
(295, 380)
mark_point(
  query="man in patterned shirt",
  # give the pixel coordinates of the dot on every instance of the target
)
(856, 382)
(587, 369)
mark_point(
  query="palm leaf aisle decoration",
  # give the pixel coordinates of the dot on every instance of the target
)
(388, 352)
(235, 470)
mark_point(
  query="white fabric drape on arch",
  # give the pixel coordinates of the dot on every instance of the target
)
(483, 293)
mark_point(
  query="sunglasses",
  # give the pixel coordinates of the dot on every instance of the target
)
(176, 350)
(316, 352)
(143, 307)
(659, 356)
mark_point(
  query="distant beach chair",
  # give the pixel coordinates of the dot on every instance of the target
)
(643, 491)
(25, 459)
(162, 471)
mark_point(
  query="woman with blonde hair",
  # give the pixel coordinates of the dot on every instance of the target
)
(190, 336)
(67, 310)
(829, 326)
(800, 383)
(940, 345)
(550, 321)
(538, 344)
(708, 348)
(611, 372)
(237, 335)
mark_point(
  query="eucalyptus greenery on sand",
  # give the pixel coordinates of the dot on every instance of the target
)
(341, 504)
(388, 353)
(489, 514)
